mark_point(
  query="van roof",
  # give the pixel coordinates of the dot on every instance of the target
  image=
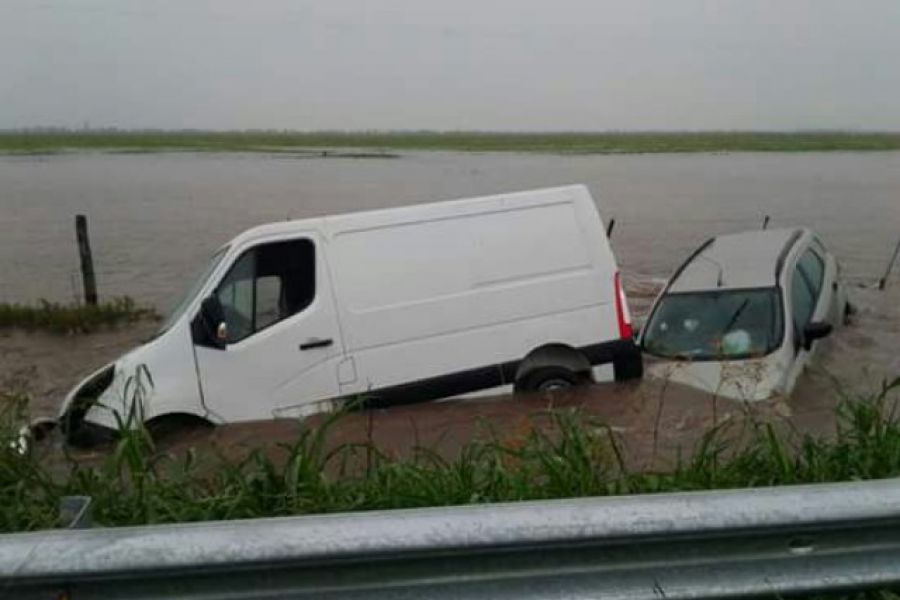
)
(748, 259)
(398, 212)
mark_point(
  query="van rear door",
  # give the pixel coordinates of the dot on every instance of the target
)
(283, 340)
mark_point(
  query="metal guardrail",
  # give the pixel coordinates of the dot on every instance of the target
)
(765, 542)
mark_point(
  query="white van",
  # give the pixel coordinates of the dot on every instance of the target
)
(517, 291)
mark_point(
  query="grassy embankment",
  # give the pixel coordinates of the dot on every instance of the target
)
(72, 318)
(379, 143)
(570, 455)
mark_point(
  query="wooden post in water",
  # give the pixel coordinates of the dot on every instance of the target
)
(887, 273)
(766, 222)
(87, 261)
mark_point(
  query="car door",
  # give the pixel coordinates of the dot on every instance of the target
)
(834, 295)
(282, 338)
(813, 267)
(809, 301)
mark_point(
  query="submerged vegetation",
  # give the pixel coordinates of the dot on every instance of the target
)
(377, 143)
(569, 455)
(72, 318)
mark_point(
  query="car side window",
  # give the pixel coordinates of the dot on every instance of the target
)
(267, 284)
(813, 269)
(802, 302)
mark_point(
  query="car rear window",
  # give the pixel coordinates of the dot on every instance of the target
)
(715, 325)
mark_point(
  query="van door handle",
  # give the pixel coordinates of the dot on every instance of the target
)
(316, 343)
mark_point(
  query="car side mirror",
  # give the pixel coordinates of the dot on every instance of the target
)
(815, 331)
(213, 327)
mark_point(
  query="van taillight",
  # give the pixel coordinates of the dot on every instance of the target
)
(626, 332)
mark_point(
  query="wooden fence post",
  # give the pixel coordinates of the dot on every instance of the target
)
(87, 261)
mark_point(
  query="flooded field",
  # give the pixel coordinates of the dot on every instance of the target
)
(154, 218)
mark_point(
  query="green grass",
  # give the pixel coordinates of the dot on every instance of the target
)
(72, 318)
(378, 143)
(570, 456)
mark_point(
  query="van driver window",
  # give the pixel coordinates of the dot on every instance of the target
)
(267, 284)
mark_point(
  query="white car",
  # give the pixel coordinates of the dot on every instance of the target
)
(740, 318)
(515, 291)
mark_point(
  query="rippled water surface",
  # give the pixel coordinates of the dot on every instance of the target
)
(155, 217)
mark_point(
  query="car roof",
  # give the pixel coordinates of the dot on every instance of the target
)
(749, 259)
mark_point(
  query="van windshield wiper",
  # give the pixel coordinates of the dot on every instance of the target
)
(736, 315)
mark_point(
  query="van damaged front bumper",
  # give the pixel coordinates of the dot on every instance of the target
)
(85, 434)
(76, 432)
(76, 428)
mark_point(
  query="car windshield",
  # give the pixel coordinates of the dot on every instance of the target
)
(716, 325)
(192, 292)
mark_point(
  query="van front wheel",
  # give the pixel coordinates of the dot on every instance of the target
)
(165, 428)
(548, 379)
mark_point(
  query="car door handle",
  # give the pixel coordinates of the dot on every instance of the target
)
(316, 343)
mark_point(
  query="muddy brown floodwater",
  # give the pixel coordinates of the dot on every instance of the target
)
(654, 421)
(155, 218)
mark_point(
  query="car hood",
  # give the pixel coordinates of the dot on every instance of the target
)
(750, 380)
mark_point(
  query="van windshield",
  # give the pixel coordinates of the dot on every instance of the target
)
(717, 325)
(192, 292)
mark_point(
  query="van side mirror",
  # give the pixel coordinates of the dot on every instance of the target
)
(210, 327)
(815, 331)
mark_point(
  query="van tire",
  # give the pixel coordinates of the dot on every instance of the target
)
(166, 427)
(548, 379)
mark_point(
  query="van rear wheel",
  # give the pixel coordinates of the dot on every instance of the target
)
(548, 379)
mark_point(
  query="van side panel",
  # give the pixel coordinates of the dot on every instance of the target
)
(456, 286)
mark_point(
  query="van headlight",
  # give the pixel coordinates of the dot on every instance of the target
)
(36, 431)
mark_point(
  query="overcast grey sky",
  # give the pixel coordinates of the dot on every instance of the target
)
(451, 64)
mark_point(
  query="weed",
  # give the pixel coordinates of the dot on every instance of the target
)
(72, 318)
(566, 453)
